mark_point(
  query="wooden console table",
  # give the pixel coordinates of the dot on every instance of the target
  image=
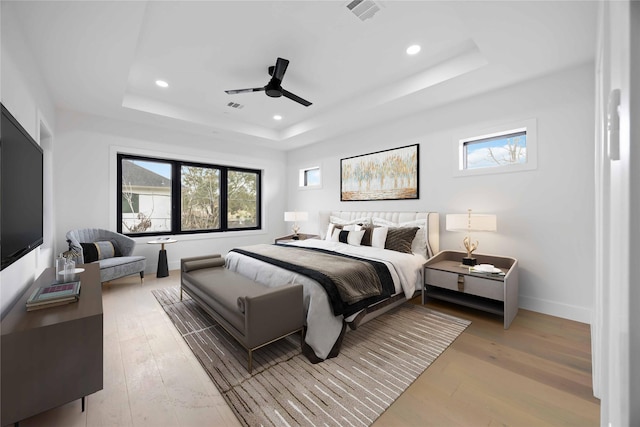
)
(52, 356)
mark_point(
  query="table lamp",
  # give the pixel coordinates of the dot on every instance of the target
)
(470, 222)
(295, 217)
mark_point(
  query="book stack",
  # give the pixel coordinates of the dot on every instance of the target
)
(54, 295)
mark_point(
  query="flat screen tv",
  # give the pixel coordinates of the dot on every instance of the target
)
(20, 191)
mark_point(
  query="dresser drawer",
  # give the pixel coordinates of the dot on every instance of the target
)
(474, 285)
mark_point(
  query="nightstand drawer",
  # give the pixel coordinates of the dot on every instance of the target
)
(488, 288)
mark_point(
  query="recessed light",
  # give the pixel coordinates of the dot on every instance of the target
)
(413, 49)
(277, 117)
(162, 83)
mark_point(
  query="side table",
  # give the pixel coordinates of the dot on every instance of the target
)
(163, 267)
(447, 279)
(301, 236)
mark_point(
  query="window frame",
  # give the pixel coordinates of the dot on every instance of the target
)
(176, 196)
(463, 139)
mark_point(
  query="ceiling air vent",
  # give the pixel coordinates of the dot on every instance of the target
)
(235, 105)
(363, 9)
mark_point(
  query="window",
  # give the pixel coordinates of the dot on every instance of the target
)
(495, 151)
(242, 199)
(200, 198)
(310, 177)
(145, 196)
(504, 150)
(159, 196)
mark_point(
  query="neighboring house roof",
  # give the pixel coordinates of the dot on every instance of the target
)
(139, 176)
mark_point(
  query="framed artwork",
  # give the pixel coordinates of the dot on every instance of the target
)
(383, 175)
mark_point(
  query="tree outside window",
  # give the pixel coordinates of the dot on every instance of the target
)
(200, 198)
(242, 199)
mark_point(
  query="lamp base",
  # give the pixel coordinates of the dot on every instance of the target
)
(295, 237)
(469, 261)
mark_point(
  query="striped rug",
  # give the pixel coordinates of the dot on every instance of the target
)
(377, 362)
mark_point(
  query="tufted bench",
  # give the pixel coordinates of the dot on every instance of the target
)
(254, 314)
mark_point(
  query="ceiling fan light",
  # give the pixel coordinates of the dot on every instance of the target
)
(413, 49)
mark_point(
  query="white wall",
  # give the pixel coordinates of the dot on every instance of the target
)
(86, 148)
(24, 94)
(615, 333)
(545, 216)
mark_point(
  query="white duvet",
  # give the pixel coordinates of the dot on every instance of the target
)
(323, 328)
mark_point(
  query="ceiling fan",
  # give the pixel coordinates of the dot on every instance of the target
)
(274, 88)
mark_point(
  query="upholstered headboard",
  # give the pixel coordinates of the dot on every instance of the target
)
(397, 217)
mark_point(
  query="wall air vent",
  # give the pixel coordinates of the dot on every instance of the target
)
(235, 105)
(363, 9)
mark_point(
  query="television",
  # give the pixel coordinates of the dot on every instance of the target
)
(21, 191)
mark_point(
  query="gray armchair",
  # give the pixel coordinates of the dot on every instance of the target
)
(119, 263)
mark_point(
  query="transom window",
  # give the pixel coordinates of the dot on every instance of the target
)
(506, 149)
(310, 177)
(160, 196)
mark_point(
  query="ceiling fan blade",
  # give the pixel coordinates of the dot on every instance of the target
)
(296, 98)
(235, 91)
(281, 67)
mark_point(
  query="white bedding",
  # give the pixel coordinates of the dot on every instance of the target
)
(323, 328)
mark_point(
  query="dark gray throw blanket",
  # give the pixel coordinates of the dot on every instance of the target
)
(351, 283)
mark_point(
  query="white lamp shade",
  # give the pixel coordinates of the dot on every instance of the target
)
(296, 216)
(475, 222)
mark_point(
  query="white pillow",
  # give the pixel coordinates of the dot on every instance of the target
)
(340, 221)
(332, 228)
(379, 237)
(353, 237)
(383, 222)
(329, 231)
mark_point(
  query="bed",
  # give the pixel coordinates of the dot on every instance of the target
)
(326, 319)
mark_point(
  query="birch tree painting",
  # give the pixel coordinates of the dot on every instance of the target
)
(384, 175)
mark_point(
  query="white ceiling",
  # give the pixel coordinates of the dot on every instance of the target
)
(103, 58)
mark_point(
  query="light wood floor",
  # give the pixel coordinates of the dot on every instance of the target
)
(536, 373)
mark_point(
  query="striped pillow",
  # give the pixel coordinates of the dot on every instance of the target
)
(400, 239)
(99, 250)
(352, 237)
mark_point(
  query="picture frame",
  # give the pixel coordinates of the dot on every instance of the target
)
(391, 174)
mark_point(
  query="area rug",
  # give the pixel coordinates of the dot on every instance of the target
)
(377, 362)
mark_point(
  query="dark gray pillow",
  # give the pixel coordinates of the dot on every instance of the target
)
(400, 238)
(366, 238)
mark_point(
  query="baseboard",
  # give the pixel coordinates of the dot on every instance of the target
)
(552, 308)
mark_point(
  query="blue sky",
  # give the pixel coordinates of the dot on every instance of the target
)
(478, 157)
(162, 169)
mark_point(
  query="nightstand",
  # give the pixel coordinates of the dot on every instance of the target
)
(445, 278)
(301, 236)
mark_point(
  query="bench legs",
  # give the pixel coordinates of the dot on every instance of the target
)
(250, 350)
